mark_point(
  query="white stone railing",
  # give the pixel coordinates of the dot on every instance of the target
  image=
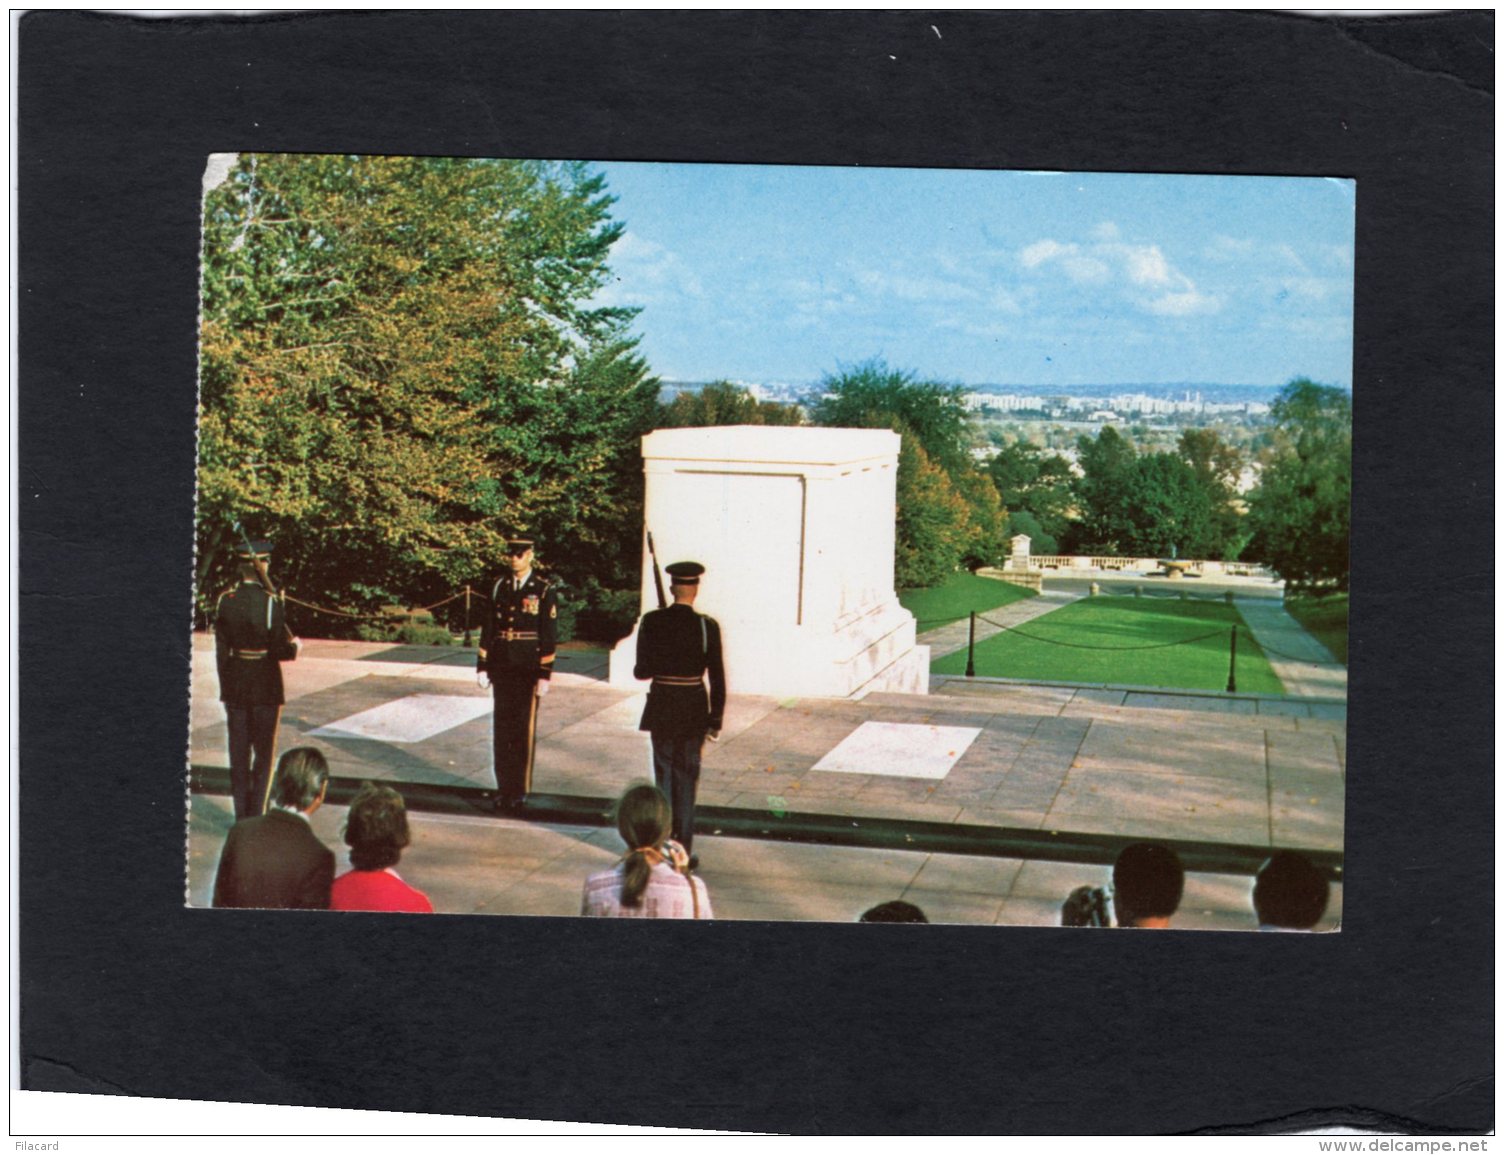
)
(1144, 564)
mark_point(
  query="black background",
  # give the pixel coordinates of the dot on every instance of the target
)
(746, 1025)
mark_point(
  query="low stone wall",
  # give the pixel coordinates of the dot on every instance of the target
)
(1029, 579)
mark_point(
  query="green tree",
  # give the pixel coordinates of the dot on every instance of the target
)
(1032, 482)
(1301, 512)
(873, 396)
(933, 521)
(400, 367)
(1216, 467)
(948, 512)
(722, 403)
(1106, 461)
(1164, 510)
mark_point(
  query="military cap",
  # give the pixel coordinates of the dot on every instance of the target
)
(685, 573)
(519, 544)
(254, 549)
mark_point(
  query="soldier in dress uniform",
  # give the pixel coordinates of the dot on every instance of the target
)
(516, 660)
(677, 648)
(251, 641)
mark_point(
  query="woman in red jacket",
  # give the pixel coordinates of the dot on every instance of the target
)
(376, 832)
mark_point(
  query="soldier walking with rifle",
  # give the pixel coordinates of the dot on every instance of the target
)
(251, 641)
(678, 649)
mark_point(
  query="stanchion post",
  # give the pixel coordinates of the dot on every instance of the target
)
(971, 648)
(467, 616)
(1232, 664)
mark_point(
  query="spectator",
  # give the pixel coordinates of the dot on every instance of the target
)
(275, 860)
(895, 911)
(1147, 882)
(376, 832)
(1290, 893)
(653, 879)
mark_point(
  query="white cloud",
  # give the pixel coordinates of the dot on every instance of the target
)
(1147, 266)
(1086, 270)
(647, 273)
(1041, 251)
(1225, 248)
(907, 287)
(1184, 304)
(1142, 272)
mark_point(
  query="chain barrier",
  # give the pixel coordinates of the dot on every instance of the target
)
(1106, 649)
(380, 616)
(1293, 658)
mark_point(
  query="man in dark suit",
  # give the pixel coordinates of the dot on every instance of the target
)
(251, 641)
(516, 660)
(678, 648)
(276, 860)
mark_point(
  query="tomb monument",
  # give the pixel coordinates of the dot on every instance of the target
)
(795, 526)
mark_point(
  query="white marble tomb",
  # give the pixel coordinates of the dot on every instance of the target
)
(795, 526)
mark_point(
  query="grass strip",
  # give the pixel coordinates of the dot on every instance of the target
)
(1324, 617)
(957, 597)
(1106, 639)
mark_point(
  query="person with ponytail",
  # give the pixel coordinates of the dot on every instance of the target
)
(653, 878)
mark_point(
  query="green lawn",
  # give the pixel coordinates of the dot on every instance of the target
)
(1112, 627)
(1324, 617)
(961, 593)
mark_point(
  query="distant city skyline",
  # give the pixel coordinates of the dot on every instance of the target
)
(1013, 279)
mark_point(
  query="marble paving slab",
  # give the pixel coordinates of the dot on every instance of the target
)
(414, 718)
(899, 750)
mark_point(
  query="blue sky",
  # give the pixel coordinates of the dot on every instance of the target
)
(766, 273)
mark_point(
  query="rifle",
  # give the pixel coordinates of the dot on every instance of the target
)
(657, 575)
(266, 582)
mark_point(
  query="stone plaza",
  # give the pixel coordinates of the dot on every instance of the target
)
(983, 802)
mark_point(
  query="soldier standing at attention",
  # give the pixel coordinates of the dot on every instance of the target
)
(516, 660)
(251, 641)
(677, 648)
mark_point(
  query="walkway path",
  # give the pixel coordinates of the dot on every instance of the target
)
(976, 754)
(950, 638)
(1305, 667)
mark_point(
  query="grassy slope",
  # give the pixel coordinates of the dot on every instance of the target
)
(1325, 618)
(961, 593)
(1110, 626)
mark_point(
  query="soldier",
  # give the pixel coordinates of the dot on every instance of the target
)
(677, 648)
(516, 660)
(251, 641)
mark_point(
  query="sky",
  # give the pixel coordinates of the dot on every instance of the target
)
(783, 274)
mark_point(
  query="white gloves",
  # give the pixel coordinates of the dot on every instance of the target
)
(542, 687)
(482, 679)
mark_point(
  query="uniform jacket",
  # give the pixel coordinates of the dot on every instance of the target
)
(520, 633)
(250, 643)
(677, 648)
(274, 861)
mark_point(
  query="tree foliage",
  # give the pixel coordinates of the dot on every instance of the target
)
(1155, 504)
(1107, 461)
(400, 367)
(722, 403)
(1301, 511)
(1037, 490)
(949, 513)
